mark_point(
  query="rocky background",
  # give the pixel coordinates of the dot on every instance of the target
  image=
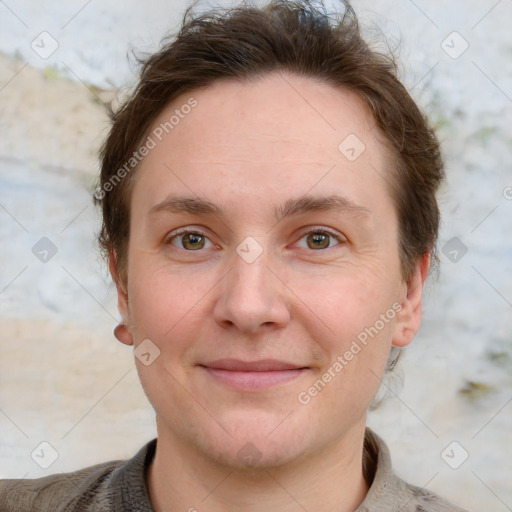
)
(64, 379)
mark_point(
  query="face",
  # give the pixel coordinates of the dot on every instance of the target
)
(263, 267)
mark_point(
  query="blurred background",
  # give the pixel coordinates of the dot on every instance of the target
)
(66, 382)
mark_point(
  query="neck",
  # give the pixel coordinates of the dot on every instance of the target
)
(182, 479)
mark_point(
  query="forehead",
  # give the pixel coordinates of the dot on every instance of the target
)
(264, 136)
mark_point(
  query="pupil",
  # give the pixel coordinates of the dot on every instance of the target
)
(193, 240)
(319, 240)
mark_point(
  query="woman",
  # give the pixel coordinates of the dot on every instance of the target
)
(269, 217)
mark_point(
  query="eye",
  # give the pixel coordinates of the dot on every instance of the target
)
(189, 240)
(321, 238)
(194, 240)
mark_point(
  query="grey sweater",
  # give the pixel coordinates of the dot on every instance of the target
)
(120, 486)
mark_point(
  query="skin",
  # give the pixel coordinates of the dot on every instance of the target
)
(249, 147)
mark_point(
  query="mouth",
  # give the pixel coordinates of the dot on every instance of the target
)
(253, 375)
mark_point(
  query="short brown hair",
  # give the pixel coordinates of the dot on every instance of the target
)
(249, 42)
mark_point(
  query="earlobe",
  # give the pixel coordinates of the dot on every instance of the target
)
(123, 334)
(409, 319)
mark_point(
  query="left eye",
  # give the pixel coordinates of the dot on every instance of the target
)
(320, 239)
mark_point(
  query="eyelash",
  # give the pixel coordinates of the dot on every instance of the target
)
(322, 230)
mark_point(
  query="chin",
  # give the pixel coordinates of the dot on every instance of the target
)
(253, 457)
(257, 442)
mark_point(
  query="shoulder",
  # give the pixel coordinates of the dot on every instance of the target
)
(54, 492)
(111, 486)
(416, 499)
(389, 492)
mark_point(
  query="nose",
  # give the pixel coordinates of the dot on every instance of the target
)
(252, 297)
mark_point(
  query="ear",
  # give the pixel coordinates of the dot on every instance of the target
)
(409, 318)
(122, 331)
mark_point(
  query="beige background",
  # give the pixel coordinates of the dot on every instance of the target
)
(65, 380)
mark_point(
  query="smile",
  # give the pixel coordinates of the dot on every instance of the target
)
(254, 381)
(253, 376)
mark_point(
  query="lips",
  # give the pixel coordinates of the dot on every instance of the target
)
(263, 365)
(252, 375)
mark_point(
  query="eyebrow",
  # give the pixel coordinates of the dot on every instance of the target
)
(291, 207)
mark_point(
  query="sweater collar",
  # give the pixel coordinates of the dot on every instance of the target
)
(129, 491)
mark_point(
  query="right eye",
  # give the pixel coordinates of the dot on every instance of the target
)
(189, 240)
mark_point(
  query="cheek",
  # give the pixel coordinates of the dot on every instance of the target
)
(357, 359)
(348, 302)
(360, 316)
(163, 302)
